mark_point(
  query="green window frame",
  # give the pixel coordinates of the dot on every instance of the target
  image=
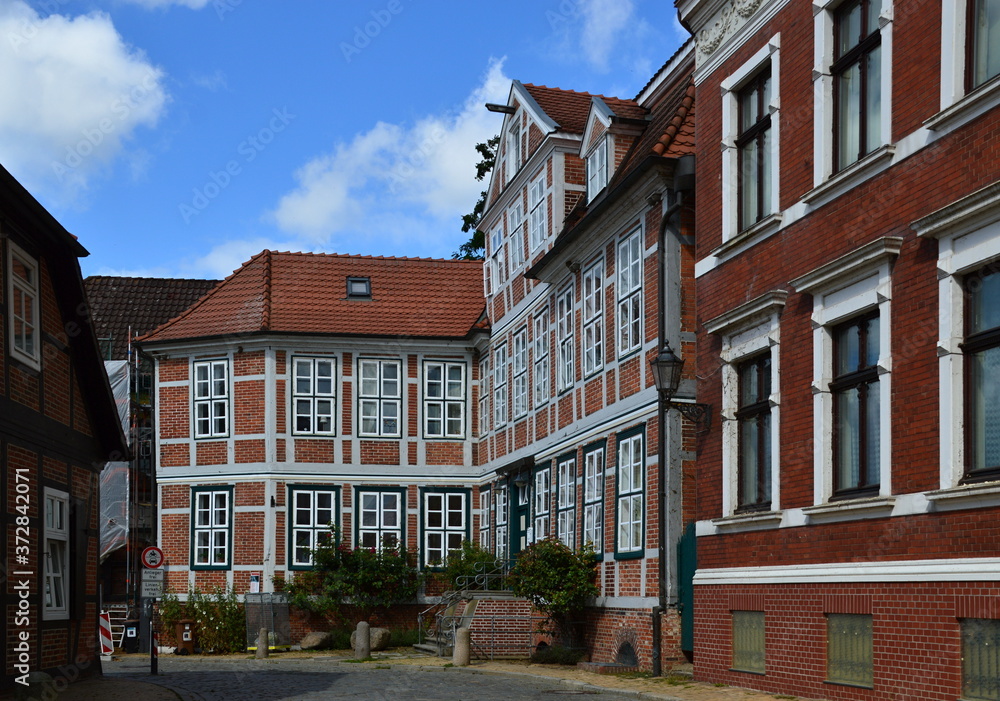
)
(541, 501)
(379, 513)
(630, 502)
(212, 528)
(444, 523)
(312, 510)
(566, 499)
(594, 467)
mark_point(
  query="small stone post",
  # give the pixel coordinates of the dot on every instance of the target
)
(463, 648)
(363, 643)
(263, 644)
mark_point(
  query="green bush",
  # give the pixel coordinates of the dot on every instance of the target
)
(367, 578)
(557, 580)
(220, 620)
(469, 561)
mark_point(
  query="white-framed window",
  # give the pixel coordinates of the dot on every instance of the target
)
(22, 296)
(56, 555)
(751, 403)
(211, 528)
(444, 399)
(968, 234)
(484, 396)
(211, 398)
(379, 397)
(314, 396)
(630, 496)
(515, 223)
(538, 220)
(597, 168)
(565, 368)
(313, 518)
(630, 293)
(750, 143)
(445, 525)
(852, 83)
(500, 385)
(513, 148)
(540, 341)
(848, 293)
(970, 57)
(380, 522)
(498, 256)
(520, 367)
(566, 501)
(500, 516)
(593, 497)
(542, 493)
(485, 518)
(593, 318)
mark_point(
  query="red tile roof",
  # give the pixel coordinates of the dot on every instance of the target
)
(306, 293)
(137, 305)
(570, 109)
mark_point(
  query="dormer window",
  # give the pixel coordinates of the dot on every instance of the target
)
(597, 169)
(359, 288)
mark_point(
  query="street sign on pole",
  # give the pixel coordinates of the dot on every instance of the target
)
(152, 557)
(151, 584)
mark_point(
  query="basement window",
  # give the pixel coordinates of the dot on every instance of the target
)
(359, 288)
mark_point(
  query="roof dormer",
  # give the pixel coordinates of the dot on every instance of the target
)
(596, 148)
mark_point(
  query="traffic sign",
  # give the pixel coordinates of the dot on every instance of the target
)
(150, 590)
(152, 557)
(152, 575)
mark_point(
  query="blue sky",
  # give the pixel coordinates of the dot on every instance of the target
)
(177, 138)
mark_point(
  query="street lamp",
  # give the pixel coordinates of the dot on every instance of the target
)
(667, 368)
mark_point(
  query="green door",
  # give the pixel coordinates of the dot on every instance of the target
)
(520, 517)
(687, 563)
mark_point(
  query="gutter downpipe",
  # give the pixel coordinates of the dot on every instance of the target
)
(661, 462)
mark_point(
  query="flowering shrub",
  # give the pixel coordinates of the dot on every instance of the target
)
(367, 578)
(220, 621)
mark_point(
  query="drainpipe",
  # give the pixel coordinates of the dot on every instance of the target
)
(683, 181)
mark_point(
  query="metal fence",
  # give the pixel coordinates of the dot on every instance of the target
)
(268, 611)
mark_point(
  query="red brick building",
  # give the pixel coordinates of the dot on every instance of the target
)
(848, 239)
(309, 389)
(583, 206)
(58, 426)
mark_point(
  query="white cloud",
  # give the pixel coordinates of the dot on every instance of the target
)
(392, 170)
(604, 24)
(72, 92)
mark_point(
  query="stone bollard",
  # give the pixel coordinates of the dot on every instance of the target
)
(363, 644)
(463, 648)
(263, 644)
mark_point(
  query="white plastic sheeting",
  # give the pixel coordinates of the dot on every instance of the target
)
(115, 475)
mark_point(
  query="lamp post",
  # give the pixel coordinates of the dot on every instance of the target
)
(667, 368)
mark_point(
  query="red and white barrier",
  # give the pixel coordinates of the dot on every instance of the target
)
(107, 646)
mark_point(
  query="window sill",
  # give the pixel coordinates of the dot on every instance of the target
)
(972, 105)
(630, 555)
(757, 520)
(850, 177)
(970, 496)
(761, 229)
(850, 509)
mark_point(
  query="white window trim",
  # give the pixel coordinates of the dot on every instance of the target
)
(512, 148)
(566, 501)
(212, 528)
(594, 467)
(968, 234)
(824, 107)
(313, 396)
(212, 399)
(857, 282)
(515, 225)
(498, 255)
(541, 504)
(380, 529)
(731, 87)
(565, 342)
(485, 518)
(519, 365)
(593, 323)
(500, 384)
(500, 517)
(380, 398)
(538, 220)
(484, 396)
(540, 362)
(637, 491)
(444, 401)
(597, 167)
(748, 330)
(445, 529)
(56, 613)
(34, 358)
(957, 105)
(624, 294)
(314, 528)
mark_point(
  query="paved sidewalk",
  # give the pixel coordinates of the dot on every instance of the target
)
(395, 675)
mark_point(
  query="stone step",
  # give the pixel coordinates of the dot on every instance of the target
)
(431, 648)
